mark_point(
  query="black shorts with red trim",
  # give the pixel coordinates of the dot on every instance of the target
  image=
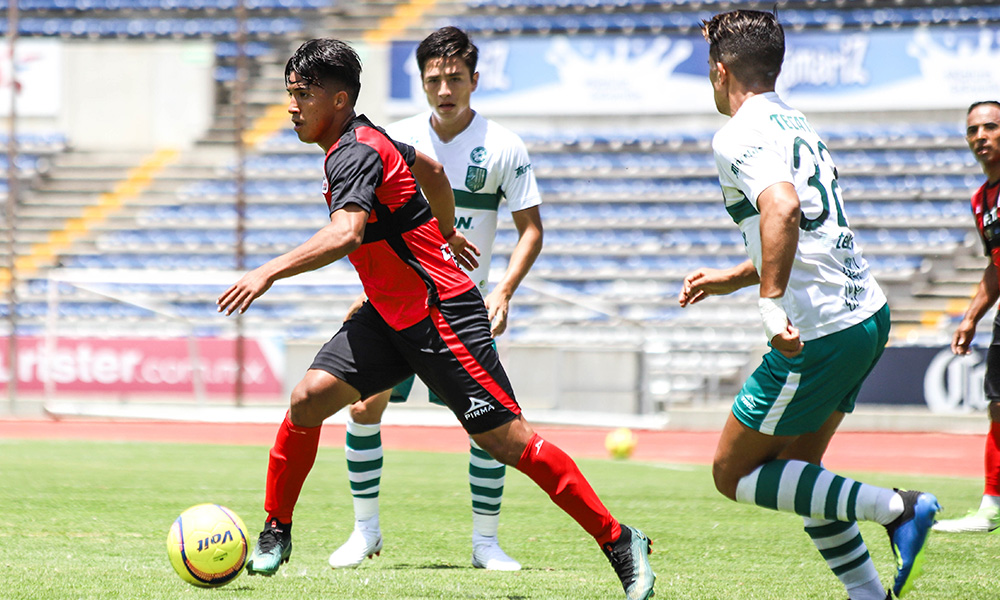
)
(451, 351)
(991, 381)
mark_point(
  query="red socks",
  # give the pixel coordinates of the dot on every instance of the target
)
(993, 461)
(295, 448)
(292, 458)
(556, 473)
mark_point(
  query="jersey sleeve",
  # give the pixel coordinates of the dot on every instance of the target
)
(975, 219)
(409, 152)
(517, 179)
(352, 174)
(399, 130)
(750, 163)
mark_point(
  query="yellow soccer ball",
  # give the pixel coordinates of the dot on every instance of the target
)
(620, 443)
(207, 545)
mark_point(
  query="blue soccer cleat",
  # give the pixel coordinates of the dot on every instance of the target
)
(629, 555)
(908, 537)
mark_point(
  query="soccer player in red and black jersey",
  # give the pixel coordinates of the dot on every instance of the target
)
(424, 315)
(982, 132)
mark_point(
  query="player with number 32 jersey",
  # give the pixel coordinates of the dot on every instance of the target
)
(830, 287)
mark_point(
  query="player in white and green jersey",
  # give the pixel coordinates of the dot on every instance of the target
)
(824, 316)
(829, 286)
(486, 164)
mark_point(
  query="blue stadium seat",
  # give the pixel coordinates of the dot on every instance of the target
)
(146, 27)
(511, 19)
(166, 5)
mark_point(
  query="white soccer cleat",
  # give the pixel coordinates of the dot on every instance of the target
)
(486, 554)
(363, 543)
(984, 520)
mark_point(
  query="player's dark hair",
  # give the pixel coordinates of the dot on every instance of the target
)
(448, 42)
(323, 61)
(751, 43)
(976, 105)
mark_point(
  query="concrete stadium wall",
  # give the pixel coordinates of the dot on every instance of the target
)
(132, 95)
(604, 380)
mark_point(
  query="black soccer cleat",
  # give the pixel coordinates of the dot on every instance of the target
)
(629, 555)
(274, 546)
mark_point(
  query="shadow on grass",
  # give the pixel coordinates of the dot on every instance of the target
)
(441, 566)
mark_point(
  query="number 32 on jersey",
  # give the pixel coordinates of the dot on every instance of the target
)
(823, 180)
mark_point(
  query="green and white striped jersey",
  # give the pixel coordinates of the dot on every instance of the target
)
(485, 164)
(767, 142)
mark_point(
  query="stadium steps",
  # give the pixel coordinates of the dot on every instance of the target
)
(74, 184)
(76, 187)
(381, 20)
(81, 196)
(264, 95)
(947, 287)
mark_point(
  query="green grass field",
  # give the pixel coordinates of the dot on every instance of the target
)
(89, 520)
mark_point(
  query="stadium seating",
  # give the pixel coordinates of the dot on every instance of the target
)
(152, 27)
(622, 242)
(164, 5)
(660, 222)
(266, 19)
(518, 17)
(616, 247)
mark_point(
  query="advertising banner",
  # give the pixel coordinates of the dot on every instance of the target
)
(849, 70)
(572, 75)
(931, 377)
(130, 365)
(892, 69)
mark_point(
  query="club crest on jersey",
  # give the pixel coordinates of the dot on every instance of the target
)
(447, 254)
(475, 178)
(478, 154)
(477, 408)
(326, 185)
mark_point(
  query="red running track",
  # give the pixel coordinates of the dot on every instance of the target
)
(896, 452)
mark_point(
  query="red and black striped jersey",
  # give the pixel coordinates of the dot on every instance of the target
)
(984, 207)
(404, 263)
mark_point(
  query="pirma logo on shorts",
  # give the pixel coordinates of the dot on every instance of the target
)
(477, 408)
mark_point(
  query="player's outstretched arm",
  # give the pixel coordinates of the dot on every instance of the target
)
(437, 189)
(986, 296)
(529, 244)
(336, 240)
(705, 282)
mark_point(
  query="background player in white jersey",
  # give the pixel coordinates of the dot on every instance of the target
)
(485, 164)
(824, 315)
